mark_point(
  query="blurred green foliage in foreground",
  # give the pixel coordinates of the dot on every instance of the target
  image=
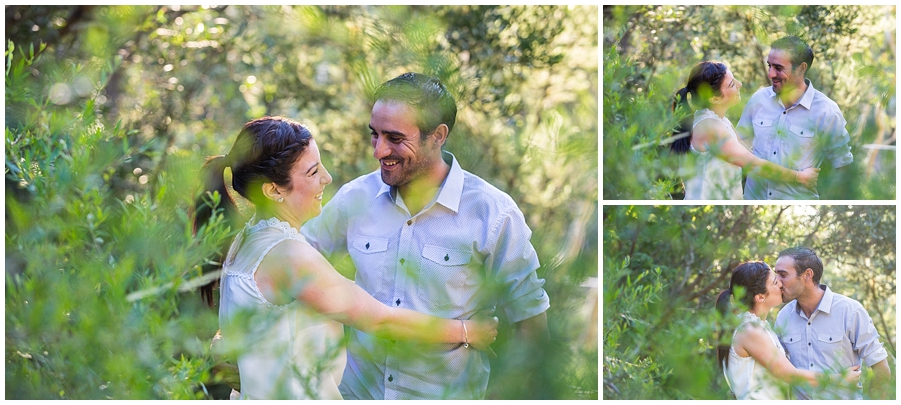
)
(664, 267)
(111, 110)
(650, 50)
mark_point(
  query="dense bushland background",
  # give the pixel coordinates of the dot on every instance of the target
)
(111, 110)
(649, 51)
(664, 267)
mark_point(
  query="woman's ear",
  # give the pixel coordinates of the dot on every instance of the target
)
(271, 191)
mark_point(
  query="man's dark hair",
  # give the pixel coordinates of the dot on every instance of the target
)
(433, 104)
(798, 50)
(805, 258)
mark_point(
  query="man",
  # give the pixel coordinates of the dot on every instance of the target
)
(821, 330)
(793, 125)
(426, 235)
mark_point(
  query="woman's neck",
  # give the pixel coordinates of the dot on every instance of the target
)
(719, 109)
(290, 219)
(761, 311)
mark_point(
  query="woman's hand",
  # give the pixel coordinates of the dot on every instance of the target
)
(481, 331)
(853, 374)
(808, 177)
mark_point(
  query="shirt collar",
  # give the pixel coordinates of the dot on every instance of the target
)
(826, 302)
(806, 100)
(451, 189)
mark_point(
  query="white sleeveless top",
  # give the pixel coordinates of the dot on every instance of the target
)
(713, 178)
(283, 352)
(747, 378)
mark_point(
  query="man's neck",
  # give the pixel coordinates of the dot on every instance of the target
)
(421, 191)
(790, 97)
(811, 300)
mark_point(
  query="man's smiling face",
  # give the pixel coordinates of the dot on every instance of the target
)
(783, 75)
(403, 154)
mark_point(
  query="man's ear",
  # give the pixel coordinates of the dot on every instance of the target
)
(439, 135)
(803, 68)
(808, 274)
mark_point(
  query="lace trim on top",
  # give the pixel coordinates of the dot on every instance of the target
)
(273, 223)
(290, 233)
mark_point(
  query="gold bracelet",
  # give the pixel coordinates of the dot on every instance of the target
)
(465, 334)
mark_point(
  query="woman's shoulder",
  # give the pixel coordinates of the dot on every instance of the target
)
(750, 331)
(291, 252)
(709, 127)
(707, 119)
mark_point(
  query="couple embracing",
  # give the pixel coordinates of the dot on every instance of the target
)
(786, 131)
(820, 342)
(436, 251)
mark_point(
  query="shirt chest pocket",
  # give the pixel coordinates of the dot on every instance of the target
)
(801, 132)
(763, 133)
(369, 255)
(762, 123)
(444, 279)
(830, 344)
(799, 138)
(790, 341)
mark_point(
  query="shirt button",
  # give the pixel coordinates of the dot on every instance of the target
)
(771, 193)
(783, 112)
(409, 222)
(774, 152)
(808, 323)
(402, 261)
(397, 302)
(390, 378)
(808, 343)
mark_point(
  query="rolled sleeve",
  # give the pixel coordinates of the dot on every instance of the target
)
(839, 150)
(514, 263)
(866, 338)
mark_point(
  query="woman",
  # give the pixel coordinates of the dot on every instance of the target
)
(277, 293)
(754, 364)
(712, 90)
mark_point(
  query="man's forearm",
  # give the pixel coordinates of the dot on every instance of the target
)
(882, 374)
(533, 330)
(525, 358)
(837, 185)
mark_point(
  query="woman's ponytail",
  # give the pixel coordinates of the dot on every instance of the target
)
(723, 307)
(681, 106)
(205, 207)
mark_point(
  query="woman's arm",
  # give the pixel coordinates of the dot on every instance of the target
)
(755, 341)
(710, 132)
(298, 269)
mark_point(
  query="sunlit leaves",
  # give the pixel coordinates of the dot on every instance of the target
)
(853, 65)
(664, 266)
